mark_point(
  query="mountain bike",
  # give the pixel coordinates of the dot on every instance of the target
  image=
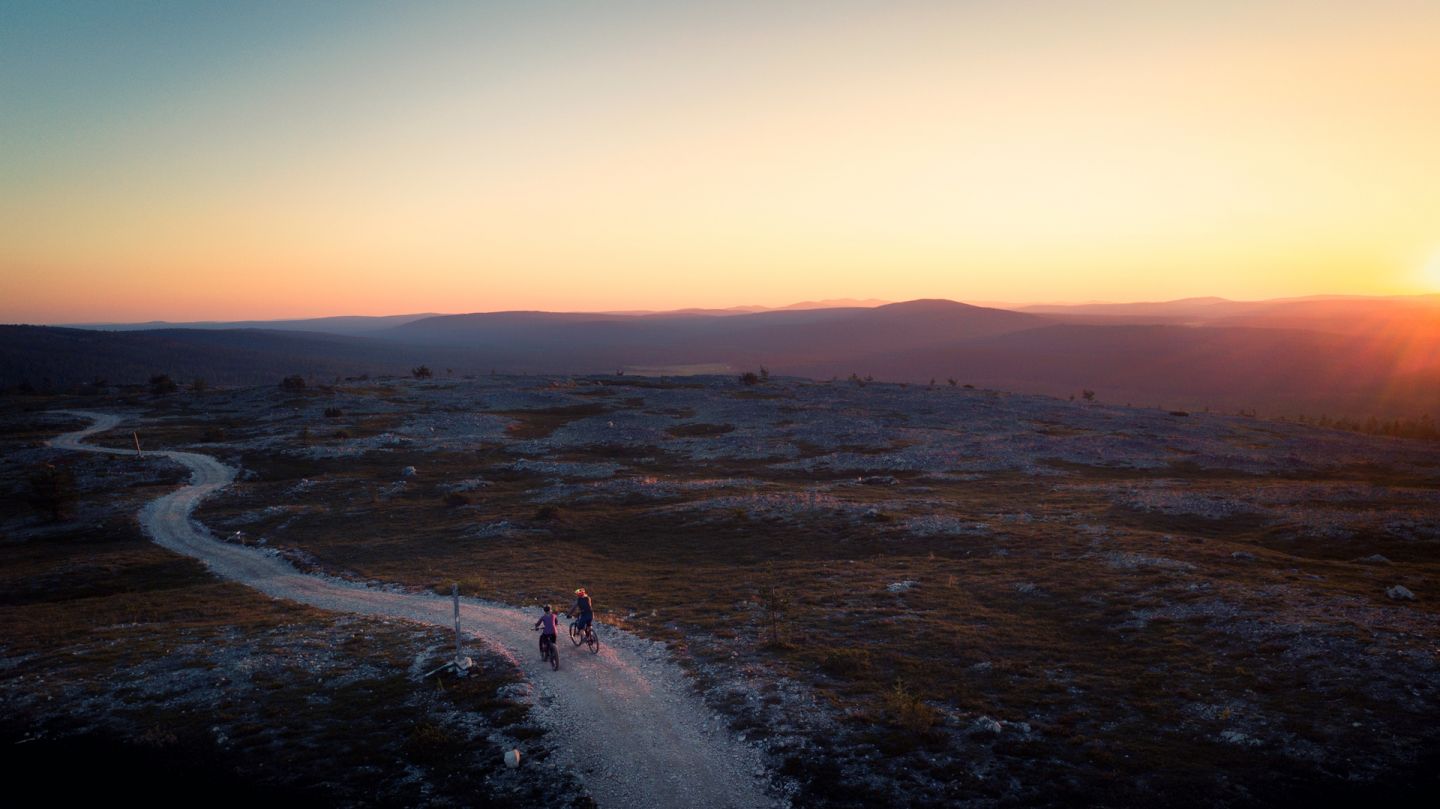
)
(549, 653)
(587, 636)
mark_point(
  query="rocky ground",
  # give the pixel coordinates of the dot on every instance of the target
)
(904, 594)
(169, 684)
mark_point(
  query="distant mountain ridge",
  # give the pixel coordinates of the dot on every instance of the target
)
(1335, 355)
(342, 324)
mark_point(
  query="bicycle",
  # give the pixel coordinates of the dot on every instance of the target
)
(586, 637)
(548, 652)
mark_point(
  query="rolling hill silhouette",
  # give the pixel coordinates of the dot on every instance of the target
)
(1358, 356)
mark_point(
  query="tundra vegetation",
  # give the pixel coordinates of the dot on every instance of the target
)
(908, 595)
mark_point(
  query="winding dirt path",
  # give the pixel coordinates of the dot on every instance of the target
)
(625, 719)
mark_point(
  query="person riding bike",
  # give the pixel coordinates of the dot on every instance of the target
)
(582, 608)
(549, 623)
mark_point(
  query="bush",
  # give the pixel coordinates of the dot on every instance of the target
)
(775, 604)
(293, 382)
(699, 430)
(750, 378)
(456, 500)
(52, 490)
(547, 512)
(161, 384)
(333, 412)
(198, 385)
(1088, 395)
(842, 662)
(213, 435)
(908, 709)
(430, 744)
(423, 372)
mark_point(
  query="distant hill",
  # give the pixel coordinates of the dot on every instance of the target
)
(1338, 356)
(1274, 370)
(53, 357)
(346, 324)
(776, 336)
(1331, 313)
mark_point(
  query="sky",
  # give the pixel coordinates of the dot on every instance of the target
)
(198, 160)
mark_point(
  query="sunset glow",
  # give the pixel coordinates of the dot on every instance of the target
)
(263, 161)
(1432, 271)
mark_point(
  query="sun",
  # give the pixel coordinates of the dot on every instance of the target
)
(1430, 274)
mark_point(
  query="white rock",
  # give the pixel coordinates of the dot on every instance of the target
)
(1400, 593)
(1375, 559)
(512, 758)
(408, 471)
(901, 586)
(986, 725)
(1237, 738)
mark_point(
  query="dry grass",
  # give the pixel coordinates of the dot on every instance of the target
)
(168, 681)
(1127, 641)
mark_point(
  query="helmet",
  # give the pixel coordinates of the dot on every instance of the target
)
(580, 592)
(547, 607)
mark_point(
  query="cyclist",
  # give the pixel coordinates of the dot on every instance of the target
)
(549, 622)
(582, 608)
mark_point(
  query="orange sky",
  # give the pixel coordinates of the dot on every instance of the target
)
(282, 163)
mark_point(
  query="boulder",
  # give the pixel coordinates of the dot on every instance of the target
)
(986, 725)
(1400, 593)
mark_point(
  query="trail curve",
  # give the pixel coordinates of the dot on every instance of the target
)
(624, 720)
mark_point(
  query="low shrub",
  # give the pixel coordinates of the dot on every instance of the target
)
(907, 709)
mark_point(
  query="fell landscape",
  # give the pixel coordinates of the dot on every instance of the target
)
(912, 405)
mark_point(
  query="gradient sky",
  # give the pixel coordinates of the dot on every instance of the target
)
(194, 160)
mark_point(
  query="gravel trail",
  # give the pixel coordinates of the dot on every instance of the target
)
(625, 720)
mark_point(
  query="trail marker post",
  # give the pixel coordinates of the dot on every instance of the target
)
(138, 453)
(461, 663)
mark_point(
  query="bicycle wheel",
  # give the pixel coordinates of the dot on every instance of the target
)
(593, 641)
(575, 635)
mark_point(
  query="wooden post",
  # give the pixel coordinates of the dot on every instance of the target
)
(462, 663)
(138, 453)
